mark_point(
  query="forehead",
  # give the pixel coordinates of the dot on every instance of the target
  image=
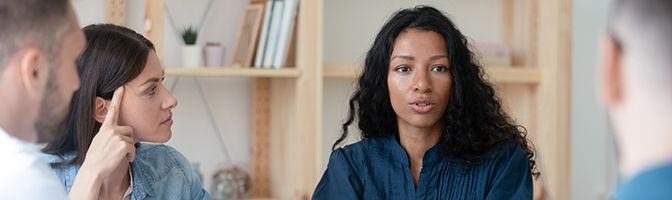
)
(152, 68)
(419, 40)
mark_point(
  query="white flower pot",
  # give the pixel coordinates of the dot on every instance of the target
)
(192, 56)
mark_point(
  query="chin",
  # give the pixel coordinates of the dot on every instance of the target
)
(159, 138)
(424, 122)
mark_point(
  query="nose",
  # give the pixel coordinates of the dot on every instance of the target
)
(170, 102)
(421, 83)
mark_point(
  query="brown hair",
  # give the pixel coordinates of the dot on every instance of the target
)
(114, 56)
(40, 24)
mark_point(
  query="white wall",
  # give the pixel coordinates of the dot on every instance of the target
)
(593, 160)
(229, 98)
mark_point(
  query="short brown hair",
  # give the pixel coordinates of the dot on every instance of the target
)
(32, 23)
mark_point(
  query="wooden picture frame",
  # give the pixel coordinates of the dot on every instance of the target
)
(246, 44)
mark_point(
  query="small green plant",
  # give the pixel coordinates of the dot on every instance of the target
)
(189, 35)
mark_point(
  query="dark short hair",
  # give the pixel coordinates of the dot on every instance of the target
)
(114, 56)
(40, 24)
(473, 121)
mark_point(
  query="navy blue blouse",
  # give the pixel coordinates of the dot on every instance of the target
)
(378, 168)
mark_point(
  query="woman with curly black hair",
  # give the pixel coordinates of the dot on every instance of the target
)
(431, 125)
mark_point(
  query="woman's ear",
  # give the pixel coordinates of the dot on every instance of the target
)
(101, 109)
(611, 82)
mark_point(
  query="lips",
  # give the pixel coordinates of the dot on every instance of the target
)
(168, 121)
(422, 105)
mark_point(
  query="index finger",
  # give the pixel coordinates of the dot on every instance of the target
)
(113, 109)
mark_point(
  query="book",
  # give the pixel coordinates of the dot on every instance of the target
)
(285, 33)
(263, 38)
(273, 33)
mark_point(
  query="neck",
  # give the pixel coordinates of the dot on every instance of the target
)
(638, 155)
(117, 183)
(19, 109)
(643, 136)
(416, 141)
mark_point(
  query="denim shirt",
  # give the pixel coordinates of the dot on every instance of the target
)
(159, 172)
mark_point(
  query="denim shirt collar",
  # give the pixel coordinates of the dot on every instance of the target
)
(142, 186)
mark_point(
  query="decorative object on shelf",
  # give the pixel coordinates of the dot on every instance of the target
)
(243, 53)
(493, 54)
(214, 54)
(191, 53)
(230, 182)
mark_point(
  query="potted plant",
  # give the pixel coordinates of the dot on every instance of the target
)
(191, 53)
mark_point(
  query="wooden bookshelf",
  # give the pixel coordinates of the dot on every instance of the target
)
(515, 74)
(288, 72)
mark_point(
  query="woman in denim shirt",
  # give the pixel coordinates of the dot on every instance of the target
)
(122, 101)
(431, 124)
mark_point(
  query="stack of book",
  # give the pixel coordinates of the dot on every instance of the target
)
(275, 47)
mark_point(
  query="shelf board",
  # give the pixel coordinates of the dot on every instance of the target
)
(523, 75)
(287, 72)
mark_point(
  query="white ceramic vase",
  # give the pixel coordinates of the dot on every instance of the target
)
(192, 56)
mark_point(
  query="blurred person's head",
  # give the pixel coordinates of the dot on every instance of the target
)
(636, 81)
(39, 43)
(117, 56)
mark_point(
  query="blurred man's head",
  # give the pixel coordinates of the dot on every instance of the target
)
(636, 79)
(38, 48)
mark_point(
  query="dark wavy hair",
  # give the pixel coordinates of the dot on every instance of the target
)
(114, 56)
(474, 120)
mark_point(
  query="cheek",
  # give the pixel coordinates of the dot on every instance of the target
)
(444, 90)
(397, 92)
(138, 117)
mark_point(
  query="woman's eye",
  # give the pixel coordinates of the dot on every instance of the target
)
(402, 69)
(152, 91)
(440, 68)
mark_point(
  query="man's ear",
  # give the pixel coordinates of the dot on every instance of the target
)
(611, 71)
(32, 74)
(101, 109)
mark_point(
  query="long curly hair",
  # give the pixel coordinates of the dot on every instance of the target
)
(474, 120)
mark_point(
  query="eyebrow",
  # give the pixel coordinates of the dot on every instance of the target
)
(433, 58)
(154, 79)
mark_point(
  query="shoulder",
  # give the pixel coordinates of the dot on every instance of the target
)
(26, 173)
(650, 184)
(367, 153)
(23, 184)
(157, 160)
(66, 174)
(360, 149)
(365, 146)
(506, 150)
